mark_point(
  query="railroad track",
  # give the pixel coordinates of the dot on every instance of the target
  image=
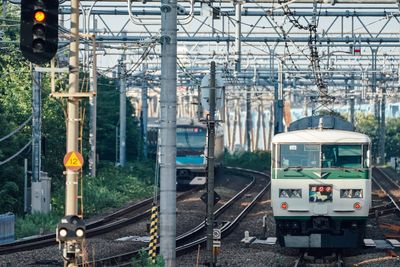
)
(116, 220)
(391, 189)
(307, 259)
(191, 240)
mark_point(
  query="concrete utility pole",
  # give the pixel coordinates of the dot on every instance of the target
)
(72, 248)
(71, 203)
(122, 111)
(374, 81)
(210, 167)
(238, 32)
(144, 111)
(248, 118)
(382, 127)
(168, 133)
(36, 126)
(93, 112)
(352, 100)
(278, 102)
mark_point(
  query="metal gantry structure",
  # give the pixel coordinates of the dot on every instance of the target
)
(261, 48)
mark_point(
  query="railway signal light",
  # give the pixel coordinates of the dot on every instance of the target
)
(39, 30)
(71, 228)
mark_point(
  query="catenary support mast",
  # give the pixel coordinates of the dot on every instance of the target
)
(168, 132)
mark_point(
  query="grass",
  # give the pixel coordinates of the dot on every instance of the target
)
(257, 160)
(113, 187)
(36, 223)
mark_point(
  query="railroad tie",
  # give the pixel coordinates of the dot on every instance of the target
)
(153, 233)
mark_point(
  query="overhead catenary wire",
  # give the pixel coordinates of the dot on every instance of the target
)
(16, 130)
(16, 154)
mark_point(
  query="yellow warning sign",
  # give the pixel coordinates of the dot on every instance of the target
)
(73, 161)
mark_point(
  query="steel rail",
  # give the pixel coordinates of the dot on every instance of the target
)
(98, 227)
(387, 193)
(120, 260)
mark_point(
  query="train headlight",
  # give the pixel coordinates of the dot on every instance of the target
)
(351, 193)
(357, 205)
(290, 193)
(296, 193)
(284, 205)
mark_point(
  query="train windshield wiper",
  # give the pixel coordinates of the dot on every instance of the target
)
(297, 168)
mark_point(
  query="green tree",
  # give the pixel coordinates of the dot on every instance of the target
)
(367, 124)
(392, 146)
(108, 122)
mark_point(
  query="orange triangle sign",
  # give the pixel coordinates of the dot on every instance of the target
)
(73, 161)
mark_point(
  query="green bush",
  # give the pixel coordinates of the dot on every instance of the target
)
(144, 261)
(257, 160)
(36, 223)
(113, 187)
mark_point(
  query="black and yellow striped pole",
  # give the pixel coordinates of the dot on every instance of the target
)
(153, 233)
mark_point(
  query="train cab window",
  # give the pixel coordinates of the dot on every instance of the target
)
(342, 156)
(299, 155)
(190, 138)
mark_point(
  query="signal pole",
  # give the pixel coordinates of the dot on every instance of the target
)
(72, 248)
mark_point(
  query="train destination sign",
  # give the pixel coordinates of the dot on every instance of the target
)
(73, 161)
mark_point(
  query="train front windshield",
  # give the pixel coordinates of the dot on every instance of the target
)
(323, 156)
(190, 138)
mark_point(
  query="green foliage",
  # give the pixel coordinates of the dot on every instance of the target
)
(257, 160)
(392, 147)
(115, 186)
(36, 223)
(367, 124)
(108, 122)
(144, 261)
(112, 188)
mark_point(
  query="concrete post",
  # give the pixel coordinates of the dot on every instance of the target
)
(168, 133)
(238, 30)
(93, 113)
(36, 126)
(122, 112)
(144, 111)
(382, 127)
(210, 168)
(248, 118)
(71, 202)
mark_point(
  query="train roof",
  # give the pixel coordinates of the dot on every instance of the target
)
(180, 122)
(320, 136)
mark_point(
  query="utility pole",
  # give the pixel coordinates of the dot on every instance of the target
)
(68, 234)
(93, 112)
(36, 126)
(71, 203)
(122, 111)
(210, 167)
(4, 8)
(278, 105)
(352, 100)
(382, 127)
(374, 52)
(168, 132)
(144, 111)
(238, 31)
(248, 118)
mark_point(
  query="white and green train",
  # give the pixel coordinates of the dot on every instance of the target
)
(321, 184)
